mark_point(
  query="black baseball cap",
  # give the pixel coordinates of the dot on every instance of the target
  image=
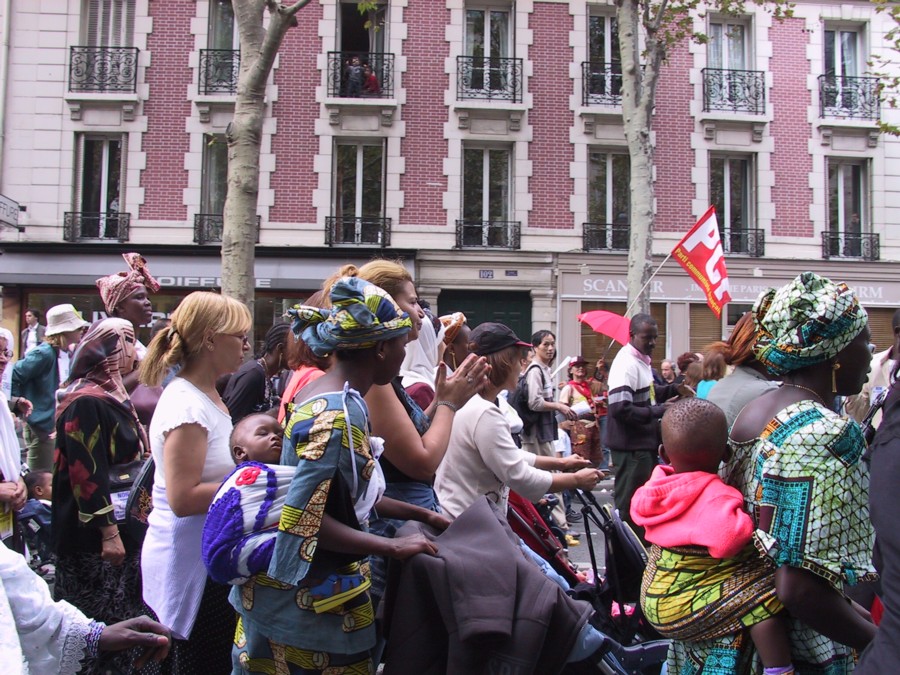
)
(492, 337)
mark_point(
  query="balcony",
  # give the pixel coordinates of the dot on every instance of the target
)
(488, 234)
(606, 236)
(735, 91)
(362, 231)
(489, 78)
(106, 226)
(751, 242)
(865, 245)
(219, 69)
(601, 83)
(208, 228)
(849, 97)
(347, 79)
(103, 69)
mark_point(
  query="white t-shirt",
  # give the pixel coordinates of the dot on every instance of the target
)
(173, 572)
(482, 459)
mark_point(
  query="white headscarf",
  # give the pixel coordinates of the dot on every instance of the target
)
(6, 378)
(10, 457)
(421, 357)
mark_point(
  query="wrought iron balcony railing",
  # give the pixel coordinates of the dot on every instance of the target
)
(865, 245)
(751, 241)
(737, 91)
(601, 83)
(208, 228)
(219, 69)
(492, 78)
(488, 234)
(606, 236)
(103, 69)
(362, 231)
(86, 226)
(855, 97)
(355, 75)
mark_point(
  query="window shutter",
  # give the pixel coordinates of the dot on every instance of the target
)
(705, 328)
(123, 174)
(78, 175)
(880, 327)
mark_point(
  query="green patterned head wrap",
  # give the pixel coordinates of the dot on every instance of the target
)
(361, 315)
(806, 322)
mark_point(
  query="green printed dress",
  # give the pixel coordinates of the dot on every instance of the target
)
(804, 476)
(312, 612)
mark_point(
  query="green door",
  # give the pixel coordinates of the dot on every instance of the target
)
(510, 307)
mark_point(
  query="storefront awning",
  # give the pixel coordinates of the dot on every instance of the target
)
(187, 271)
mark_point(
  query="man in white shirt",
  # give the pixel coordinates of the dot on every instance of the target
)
(33, 334)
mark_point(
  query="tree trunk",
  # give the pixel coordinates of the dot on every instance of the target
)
(638, 93)
(259, 47)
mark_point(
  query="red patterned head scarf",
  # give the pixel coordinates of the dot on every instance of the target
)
(117, 287)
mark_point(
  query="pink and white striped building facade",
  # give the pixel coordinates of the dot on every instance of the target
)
(482, 142)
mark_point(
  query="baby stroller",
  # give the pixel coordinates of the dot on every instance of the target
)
(634, 647)
(526, 521)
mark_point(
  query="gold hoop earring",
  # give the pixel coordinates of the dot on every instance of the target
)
(836, 367)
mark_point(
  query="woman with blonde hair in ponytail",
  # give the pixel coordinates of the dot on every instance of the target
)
(189, 441)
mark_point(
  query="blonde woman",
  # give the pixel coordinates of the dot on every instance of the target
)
(189, 441)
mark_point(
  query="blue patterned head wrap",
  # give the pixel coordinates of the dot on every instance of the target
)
(361, 315)
(806, 322)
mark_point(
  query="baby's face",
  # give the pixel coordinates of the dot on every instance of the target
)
(261, 438)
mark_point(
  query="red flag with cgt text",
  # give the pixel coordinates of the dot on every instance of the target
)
(700, 254)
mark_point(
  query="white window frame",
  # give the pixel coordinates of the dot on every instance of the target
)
(357, 215)
(749, 207)
(108, 23)
(485, 187)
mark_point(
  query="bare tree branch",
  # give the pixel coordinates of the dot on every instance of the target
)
(293, 9)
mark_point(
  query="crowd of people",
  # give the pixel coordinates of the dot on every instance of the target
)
(283, 485)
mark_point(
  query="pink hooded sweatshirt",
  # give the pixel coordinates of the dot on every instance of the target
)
(692, 509)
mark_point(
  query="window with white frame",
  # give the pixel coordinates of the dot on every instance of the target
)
(214, 175)
(108, 23)
(604, 70)
(488, 48)
(486, 196)
(843, 90)
(609, 199)
(99, 177)
(359, 168)
(847, 207)
(727, 82)
(731, 187)
(220, 62)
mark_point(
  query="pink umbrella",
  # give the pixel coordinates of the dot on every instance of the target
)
(607, 323)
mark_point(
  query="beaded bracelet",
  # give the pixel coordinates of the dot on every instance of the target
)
(92, 639)
(452, 406)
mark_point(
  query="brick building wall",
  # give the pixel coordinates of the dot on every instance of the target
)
(295, 143)
(425, 114)
(165, 142)
(673, 156)
(791, 159)
(551, 86)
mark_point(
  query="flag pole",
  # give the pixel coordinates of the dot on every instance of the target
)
(647, 283)
(631, 304)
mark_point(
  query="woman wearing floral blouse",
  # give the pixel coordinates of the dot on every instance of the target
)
(98, 565)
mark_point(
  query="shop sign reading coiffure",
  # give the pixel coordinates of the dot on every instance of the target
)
(203, 282)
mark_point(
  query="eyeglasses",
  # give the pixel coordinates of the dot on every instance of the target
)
(245, 341)
(6, 352)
